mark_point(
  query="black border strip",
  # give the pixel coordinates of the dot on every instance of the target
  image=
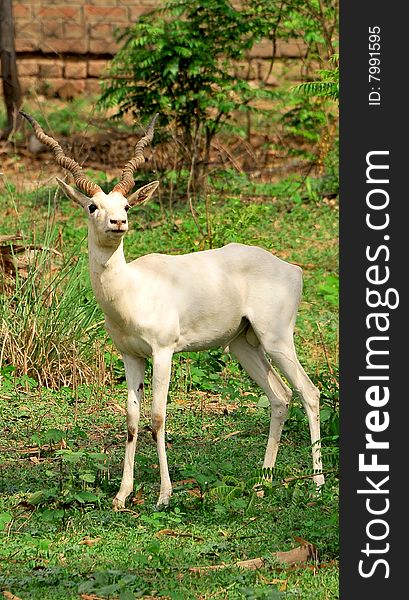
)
(366, 128)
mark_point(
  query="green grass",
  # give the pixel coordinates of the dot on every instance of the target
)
(61, 450)
(42, 547)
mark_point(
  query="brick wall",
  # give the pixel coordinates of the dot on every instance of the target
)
(62, 47)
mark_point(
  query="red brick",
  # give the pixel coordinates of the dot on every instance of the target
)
(21, 12)
(291, 48)
(279, 66)
(50, 68)
(101, 31)
(137, 11)
(272, 81)
(103, 47)
(263, 49)
(106, 3)
(51, 85)
(52, 28)
(27, 83)
(263, 68)
(115, 14)
(61, 46)
(79, 84)
(148, 3)
(246, 69)
(28, 35)
(28, 66)
(60, 12)
(71, 89)
(75, 70)
(73, 31)
(96, 68)
(27, 29)
(93, 86)
(61, 2)
(292, 70)
(24, 45)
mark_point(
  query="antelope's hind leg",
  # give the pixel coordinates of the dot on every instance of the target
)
(282, 352)
(134, 371)
(252, 359)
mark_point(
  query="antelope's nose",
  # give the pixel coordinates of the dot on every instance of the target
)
(117, 221)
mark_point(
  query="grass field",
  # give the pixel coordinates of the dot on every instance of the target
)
(62, 442)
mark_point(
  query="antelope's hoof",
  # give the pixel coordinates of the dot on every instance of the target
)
(163, 502)
(258, 490)
(319, 480)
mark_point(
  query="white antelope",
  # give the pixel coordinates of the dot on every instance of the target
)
(240, 297)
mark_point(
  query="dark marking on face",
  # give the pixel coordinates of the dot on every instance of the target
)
(140, 388)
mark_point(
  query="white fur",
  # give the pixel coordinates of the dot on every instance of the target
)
(238, 296)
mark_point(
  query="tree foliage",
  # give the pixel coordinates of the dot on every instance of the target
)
(180, 60)
(327, 86)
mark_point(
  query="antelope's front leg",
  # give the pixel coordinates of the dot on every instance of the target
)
(162, 363)
(134, 371)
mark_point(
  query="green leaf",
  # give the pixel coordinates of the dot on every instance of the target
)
(86, 496)
(263, 402)
(325, 413)
(36, 497)
(5, 518)
(88, 477)
(54, 435)
(51, 515)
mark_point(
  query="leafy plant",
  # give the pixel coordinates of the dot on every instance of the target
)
(304, 120)
(80, 478)
(329, 289)
(178, 61)
(261, 593)
(111, 582)
(327, 86)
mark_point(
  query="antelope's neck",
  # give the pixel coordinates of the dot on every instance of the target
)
(107, 268)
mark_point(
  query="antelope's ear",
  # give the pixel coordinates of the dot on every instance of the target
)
(73, 193)
(143, 194)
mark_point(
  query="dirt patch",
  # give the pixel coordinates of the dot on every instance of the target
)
(30, 166)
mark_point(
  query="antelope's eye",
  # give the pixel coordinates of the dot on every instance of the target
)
(92, 208)
(127, 207)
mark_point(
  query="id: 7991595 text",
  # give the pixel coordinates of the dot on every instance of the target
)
(374, 68)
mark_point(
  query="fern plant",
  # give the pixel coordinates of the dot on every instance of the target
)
(327, 86)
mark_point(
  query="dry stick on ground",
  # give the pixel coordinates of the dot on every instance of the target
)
(330, 369)
(222, 149)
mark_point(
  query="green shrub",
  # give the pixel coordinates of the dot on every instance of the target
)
(178, 61)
